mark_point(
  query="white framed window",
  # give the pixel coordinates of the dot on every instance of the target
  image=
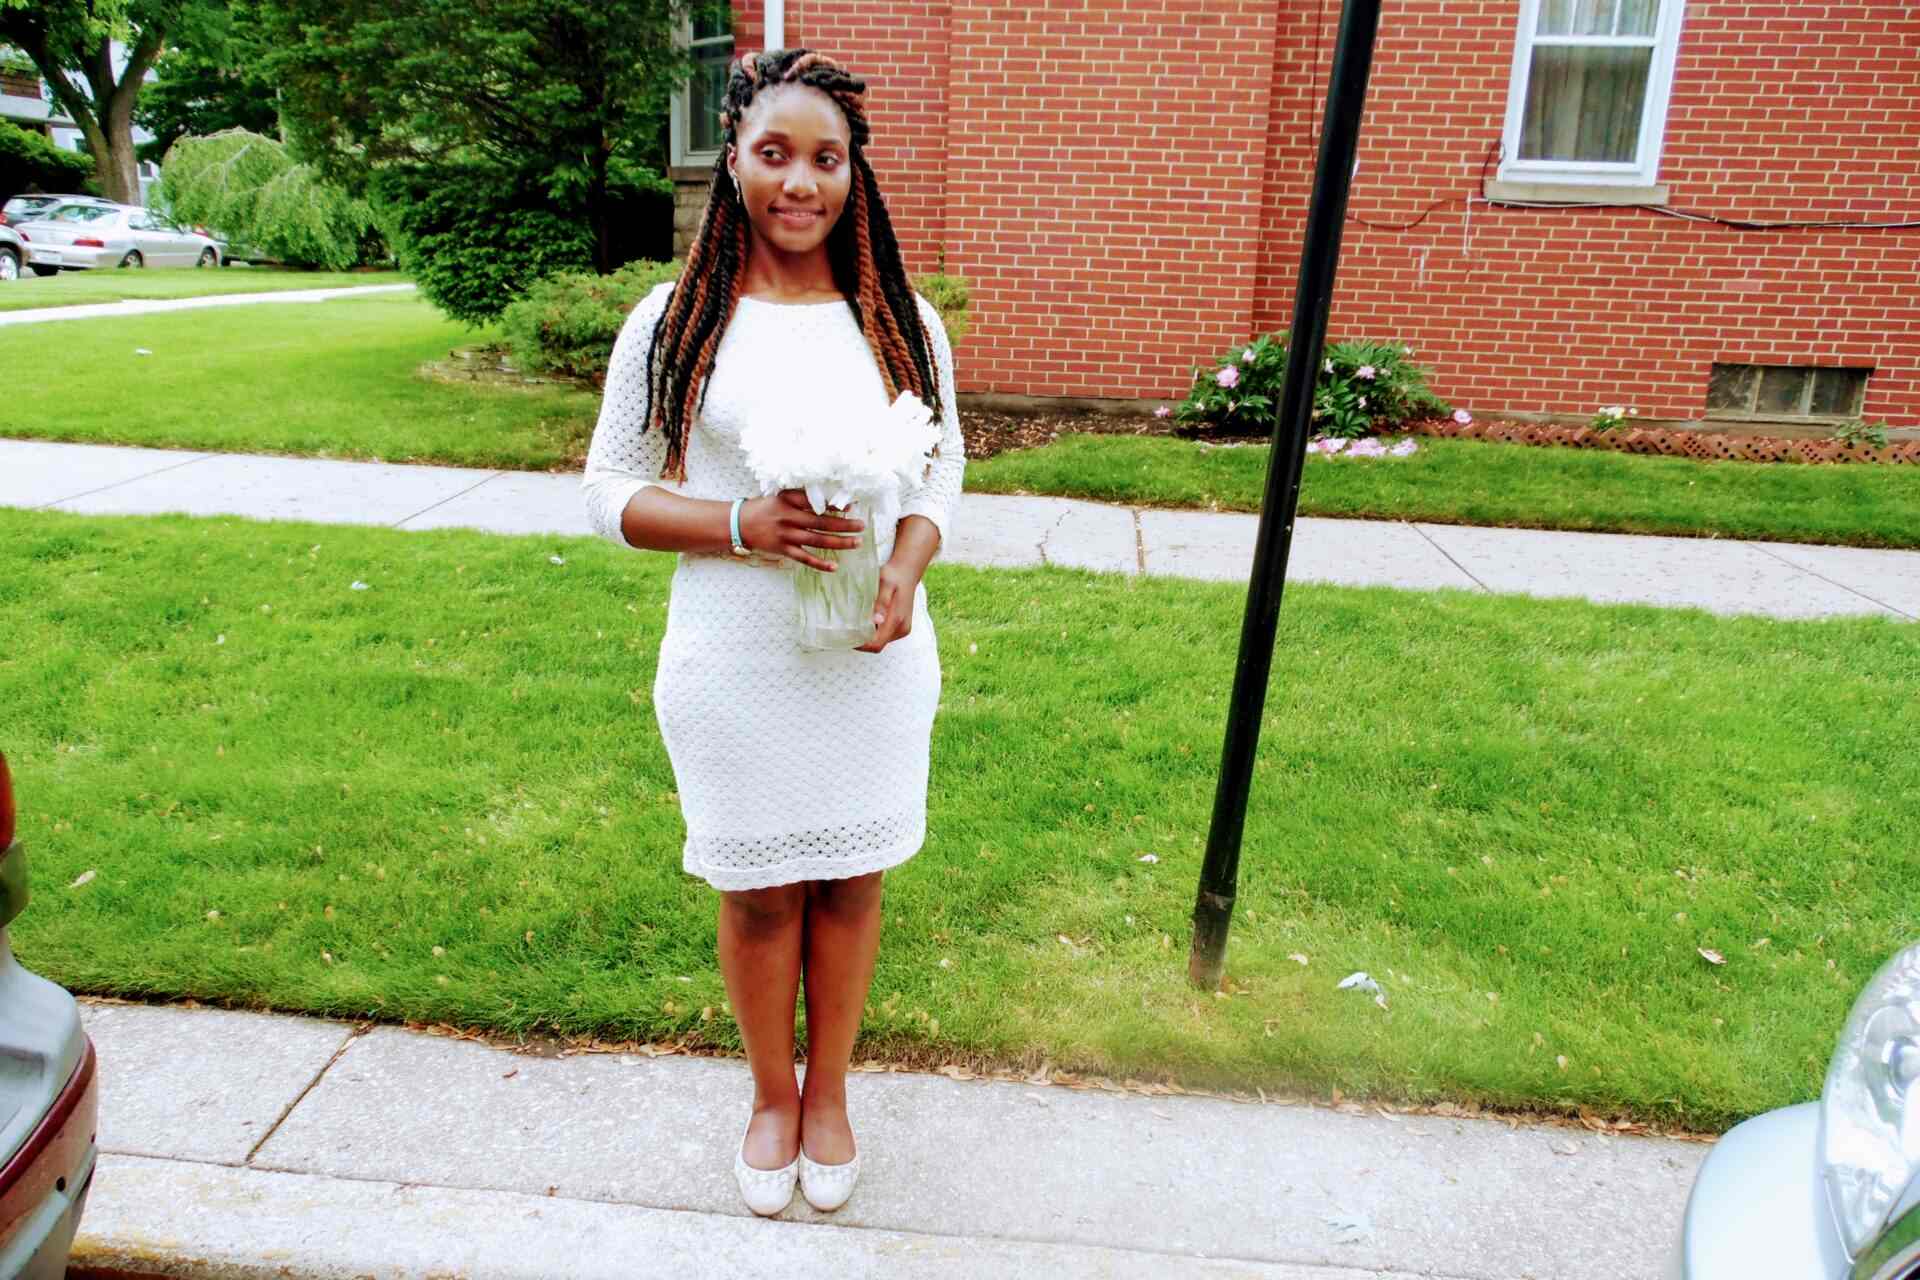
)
(696, 105)
(1587, 104)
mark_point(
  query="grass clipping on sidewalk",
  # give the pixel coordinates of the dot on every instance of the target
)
(442, 797)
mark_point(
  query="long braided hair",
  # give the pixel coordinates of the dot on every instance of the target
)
(861, 248)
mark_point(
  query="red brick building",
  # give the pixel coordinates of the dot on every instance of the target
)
(1554, 204)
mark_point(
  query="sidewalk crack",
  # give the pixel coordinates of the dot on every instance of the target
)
(1139, 543)
(1443, 551)
(434, 506)
(145, 475)
(1041, 546)
(354, 1033)
(1832, 582)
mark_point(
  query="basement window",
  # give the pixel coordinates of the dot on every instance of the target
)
(1785, 391)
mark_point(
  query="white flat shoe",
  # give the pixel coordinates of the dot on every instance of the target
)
(827, 1186)
(766, 1191)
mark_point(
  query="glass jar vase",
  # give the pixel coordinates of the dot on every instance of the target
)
(835, 610)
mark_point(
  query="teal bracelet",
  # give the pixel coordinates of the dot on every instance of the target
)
(733, 527)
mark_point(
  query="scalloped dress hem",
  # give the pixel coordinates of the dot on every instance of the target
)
(734, 879)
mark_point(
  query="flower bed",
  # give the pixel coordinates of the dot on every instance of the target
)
(1674, 442)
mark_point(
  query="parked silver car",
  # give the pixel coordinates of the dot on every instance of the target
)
(1826, 1190)
(75, 236)
(12, 254)
(21, 209)
(27, 208)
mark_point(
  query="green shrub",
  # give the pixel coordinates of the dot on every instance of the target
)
(1395, 393)
(567, 323)
(1362, 387)
(475, 238)
(29, 159)
(250, 190)
(949, 297)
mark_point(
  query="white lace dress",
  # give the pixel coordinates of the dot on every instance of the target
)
(791, 765)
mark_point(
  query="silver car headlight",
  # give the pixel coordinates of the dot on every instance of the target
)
(1870, 1108)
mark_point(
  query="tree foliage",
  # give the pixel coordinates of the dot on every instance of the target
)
(71, 43)
(505, 138)
(209, 80)
(250, 189)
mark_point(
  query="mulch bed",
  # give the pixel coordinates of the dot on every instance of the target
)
(988, 432)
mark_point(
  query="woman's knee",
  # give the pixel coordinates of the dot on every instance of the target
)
(853, 895)
(766, 910)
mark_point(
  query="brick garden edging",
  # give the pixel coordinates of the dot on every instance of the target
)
(1701, 445)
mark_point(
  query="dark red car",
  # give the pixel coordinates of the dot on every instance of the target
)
(49, 1094)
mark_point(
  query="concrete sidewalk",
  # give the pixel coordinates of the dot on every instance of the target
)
(254, 1145)
(147, 306)
(1781, 580)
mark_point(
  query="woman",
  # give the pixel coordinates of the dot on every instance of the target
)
(802, 775)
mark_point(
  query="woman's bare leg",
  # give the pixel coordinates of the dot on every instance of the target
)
(760, 950)
(842, 935)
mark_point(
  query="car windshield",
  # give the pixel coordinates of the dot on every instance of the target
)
(82, 213)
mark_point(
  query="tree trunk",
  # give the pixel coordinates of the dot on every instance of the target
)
(113, 158)
(598, 213)
(118, 169)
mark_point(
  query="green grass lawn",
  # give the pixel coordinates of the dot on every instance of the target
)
(339, 379)
(1474, 482)
(333, 379)
(444, 798)
(72, 288)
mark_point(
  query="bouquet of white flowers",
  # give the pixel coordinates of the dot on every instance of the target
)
(862, 464)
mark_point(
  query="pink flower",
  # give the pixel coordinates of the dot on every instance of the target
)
(1228, 376)
(1365, 371)
(1162, 412)
(1326, 366)
(1462, 417)
(1363, 402)
(1246, 357)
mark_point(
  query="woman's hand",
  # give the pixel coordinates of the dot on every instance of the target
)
(892, 606)
(783, 524)
(915, 540)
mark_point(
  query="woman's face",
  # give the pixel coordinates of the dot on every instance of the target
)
(793, 162)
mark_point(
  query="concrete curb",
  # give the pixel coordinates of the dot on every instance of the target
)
(247, 1144)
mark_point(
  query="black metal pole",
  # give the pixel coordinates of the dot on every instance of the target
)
(1319, 255)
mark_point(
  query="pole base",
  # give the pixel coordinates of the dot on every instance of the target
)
(1212, 914)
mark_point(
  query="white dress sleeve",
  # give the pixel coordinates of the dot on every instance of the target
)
(937, 499)
(624, 457)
